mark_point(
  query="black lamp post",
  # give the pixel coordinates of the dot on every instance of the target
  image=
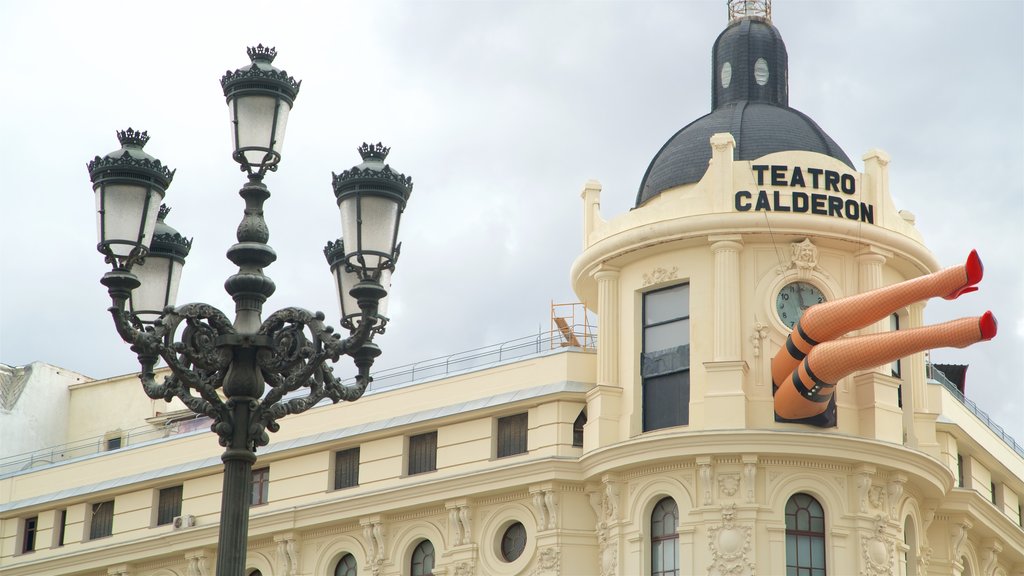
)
(241, 373)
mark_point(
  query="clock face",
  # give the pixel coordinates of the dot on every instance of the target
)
(794, 298)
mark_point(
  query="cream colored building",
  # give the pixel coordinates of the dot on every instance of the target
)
(653, 451)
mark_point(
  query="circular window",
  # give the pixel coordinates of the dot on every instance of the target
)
(513, 542)
(761, 71)
(726, 75)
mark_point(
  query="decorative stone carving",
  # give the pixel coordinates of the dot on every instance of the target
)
(609, 555)
(750, 481)
(730, 546)
(611, 501)
(467, 524)
(548, 563)
(455, 525)
(803, 255)
(894, 492)
(958, 536)
(876, 497)
(728, 484)
(196, 563)
(990, 557)
(863, 486)
(759, 335)
(287, 555)
(704, 469)
(659, 275)
(547, 509)
(877, 551)
(373, 535)
(120, 570)
(465, 569)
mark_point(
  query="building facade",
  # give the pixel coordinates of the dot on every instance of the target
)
(653, 450)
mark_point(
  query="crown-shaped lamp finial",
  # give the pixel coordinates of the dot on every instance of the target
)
(134, 138)
(377, 150)
(261, 52)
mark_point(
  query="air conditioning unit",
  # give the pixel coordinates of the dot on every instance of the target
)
(184, 521)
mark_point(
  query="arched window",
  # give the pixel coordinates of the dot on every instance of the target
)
(346, 566)
(577, 429)
(805, 536)
(665, 538)
(423, 559)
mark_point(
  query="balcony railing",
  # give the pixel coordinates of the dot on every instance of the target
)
(937, 375)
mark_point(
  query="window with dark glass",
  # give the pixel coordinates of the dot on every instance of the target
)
(101, 520)
(513, 542)
(665, 359)
(894, 325)
(62, 525)
(28, 537)
(665, 538)
(960, 483)
(512, 435)
(805, 536)
(422, 563)
(346, 566)
(168, 505)
(992, 491)
(113, 443)
(346, 468)
(577, 429)
(260, 487)
(423, 453)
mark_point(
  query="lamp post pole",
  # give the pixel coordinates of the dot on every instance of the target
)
(243, 374)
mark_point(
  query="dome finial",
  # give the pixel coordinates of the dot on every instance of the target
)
(745, 8)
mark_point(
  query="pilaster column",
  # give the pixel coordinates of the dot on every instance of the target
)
(869, 277)
(727, 296)
(915, 393)
(608, 335)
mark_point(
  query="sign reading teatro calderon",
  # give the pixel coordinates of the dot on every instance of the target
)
(833, 196)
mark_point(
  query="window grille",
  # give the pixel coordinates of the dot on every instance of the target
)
(346, 468)
(346, 566)
(423, 453)
(168, 505)
(101, 523)
(513, 542)
(512, 432)
(422, 563)
(665, 538)
(805, 536)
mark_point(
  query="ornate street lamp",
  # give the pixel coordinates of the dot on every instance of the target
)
(246, 374)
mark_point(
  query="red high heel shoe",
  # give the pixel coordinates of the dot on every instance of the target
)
(988, 326)
(975, 270)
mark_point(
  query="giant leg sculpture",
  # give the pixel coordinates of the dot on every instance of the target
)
(803, 386)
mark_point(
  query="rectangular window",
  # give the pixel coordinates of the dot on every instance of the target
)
(28, 537)
(960, 471)
(894, 325)
(346, 468)
(992, 488)
(101, 520)
(113, 443)
(512, 432)
(423, 453)
(665, 359)
(260, 487)
(62, 525)
(168, 505)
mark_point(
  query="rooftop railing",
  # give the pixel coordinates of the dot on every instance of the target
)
(383, 380)
(937, 375)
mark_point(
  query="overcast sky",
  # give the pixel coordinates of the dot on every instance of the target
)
(500, 111)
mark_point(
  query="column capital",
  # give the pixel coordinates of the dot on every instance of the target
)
(726, 242)
(605, 273)
(873, 254)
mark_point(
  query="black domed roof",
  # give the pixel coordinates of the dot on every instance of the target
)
(750, 98)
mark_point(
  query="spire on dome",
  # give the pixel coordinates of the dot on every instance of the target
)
(746, 8)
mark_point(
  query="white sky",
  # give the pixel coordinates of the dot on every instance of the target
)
(500, 111)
